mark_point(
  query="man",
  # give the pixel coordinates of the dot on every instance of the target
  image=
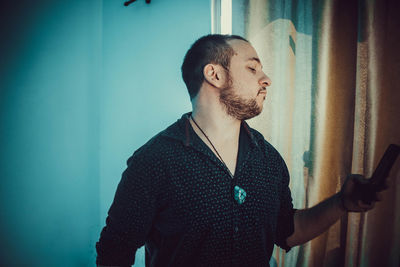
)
(209, 190)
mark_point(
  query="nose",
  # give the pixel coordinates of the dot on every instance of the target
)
(265, 81)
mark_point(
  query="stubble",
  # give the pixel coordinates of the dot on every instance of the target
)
(236, 106)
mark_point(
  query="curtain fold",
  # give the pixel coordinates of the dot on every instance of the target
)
(332, 109)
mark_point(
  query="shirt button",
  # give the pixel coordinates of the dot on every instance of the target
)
(236, 229)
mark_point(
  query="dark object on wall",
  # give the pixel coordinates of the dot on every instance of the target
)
(127, 3)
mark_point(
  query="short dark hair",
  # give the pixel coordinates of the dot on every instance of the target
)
(212, 48)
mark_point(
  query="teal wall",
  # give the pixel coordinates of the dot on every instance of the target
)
(82, 85)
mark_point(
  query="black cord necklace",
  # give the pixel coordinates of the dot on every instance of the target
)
(223, 162)
(239, 193)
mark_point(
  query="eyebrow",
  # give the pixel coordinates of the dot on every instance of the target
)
(255, 59)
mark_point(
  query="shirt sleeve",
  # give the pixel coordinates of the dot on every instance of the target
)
(130, 216)
(285, 223)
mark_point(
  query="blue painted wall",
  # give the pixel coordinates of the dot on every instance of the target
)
(82, 85)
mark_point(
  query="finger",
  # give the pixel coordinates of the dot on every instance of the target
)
(378, 196)
(388, 183)
(369, 207)
(360, 178)
(364, 205)
(365, 210)
(383, 186)
(375, 196)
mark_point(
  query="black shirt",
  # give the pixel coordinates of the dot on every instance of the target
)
(176, 198)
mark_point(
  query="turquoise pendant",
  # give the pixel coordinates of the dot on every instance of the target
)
(239, 194)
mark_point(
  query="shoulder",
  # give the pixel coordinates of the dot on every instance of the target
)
(159, 147)
(272, 155)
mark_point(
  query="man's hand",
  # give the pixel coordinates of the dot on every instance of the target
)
(311, 222)
(357, 187)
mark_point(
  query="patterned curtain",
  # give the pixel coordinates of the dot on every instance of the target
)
(333, 108)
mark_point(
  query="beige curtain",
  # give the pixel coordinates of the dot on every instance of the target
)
(333, 108)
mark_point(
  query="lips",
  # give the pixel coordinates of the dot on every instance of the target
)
(262, 92)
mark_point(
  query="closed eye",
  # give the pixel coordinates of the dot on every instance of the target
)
(252, 69)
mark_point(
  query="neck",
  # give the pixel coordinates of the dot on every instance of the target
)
(214, 121)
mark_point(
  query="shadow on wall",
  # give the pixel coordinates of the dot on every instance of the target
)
(82, 85)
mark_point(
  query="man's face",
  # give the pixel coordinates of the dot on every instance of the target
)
(245, 90)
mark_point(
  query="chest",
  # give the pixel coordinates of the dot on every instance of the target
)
(226, 152)
(229, 156)
(201, 190)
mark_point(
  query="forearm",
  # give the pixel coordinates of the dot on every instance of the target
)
(310, 223)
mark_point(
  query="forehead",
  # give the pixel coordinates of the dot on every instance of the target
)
(243, 50)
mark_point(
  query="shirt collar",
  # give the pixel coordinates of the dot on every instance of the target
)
(183, 131)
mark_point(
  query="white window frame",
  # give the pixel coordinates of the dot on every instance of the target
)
(221, 16)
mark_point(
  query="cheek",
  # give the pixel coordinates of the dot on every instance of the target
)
(244, 83)
(246, 87)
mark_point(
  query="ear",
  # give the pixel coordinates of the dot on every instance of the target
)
(214, 75)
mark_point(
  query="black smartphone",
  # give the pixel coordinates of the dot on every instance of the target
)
(385, 164)
(376, 183)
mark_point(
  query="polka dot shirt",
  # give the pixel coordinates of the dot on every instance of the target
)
(178, 199)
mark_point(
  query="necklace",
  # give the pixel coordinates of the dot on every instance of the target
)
(238, 193)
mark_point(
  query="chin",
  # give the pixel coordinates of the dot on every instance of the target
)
(252, 115)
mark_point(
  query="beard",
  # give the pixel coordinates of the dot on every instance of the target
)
(236, 106)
